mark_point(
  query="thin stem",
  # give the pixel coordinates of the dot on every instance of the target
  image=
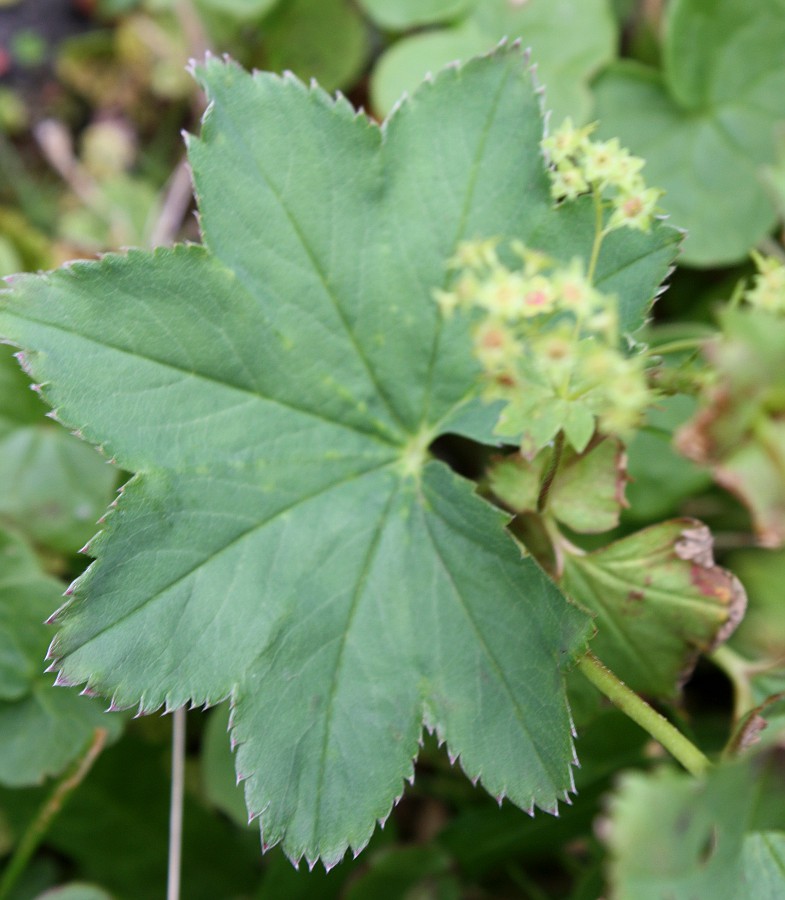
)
(676, 346)
(644, 715)
(599, 234)
(55, 802)
(547, 481)
(176, 805)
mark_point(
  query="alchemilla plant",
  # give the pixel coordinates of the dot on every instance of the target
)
(370, 305)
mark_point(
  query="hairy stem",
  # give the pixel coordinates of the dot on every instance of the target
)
(176, 805)
(54, 803)
(644, 715)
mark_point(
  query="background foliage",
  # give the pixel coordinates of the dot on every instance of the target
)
(93, 96)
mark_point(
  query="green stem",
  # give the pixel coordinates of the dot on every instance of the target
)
(676, 346)
(644, 715)
(38, 827)
(599, 234)
(547, 481)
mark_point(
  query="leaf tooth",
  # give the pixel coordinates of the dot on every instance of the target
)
(499, 798)
(87, 691)
(62, 680)
(56, 615)
(552, 809)
(115, 705)
(52, 652)
(566, 798)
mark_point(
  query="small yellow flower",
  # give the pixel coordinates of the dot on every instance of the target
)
(566, 142)
(574, 291)
(475, 255)
(634, 210)
(768, 290)
(567, 182)
(502, 296)
(495, 346)
(601, 161)
(538, 296)
(448, 302)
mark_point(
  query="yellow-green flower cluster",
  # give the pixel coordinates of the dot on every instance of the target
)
(768, 286)
(579, 165)
(548, 343)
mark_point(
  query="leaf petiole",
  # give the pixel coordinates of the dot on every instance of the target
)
(637, 709)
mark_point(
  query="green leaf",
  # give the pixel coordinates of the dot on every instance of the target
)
(75, 891)
(739, 429)
(566, 57)
(406, 872)
(680, 837)
(53, 487)
(707, 125)
(42, 729)
(764, 864)
(114, 829)
(218, 777)
(661, 478)
(659, 600)
(239, 9)
(400, 15)
(294, 38)
(286, 540)
(27, 597)
(586, 493)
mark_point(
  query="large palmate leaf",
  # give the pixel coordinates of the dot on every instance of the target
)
(286, 540)
(707, 124)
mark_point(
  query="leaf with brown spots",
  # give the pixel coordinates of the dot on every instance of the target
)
(658, 600)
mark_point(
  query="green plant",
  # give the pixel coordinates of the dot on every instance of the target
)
(352, 525)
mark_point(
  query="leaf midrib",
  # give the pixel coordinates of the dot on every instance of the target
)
(257, 525)
(328, 291)
(373, 435)
(459, 234)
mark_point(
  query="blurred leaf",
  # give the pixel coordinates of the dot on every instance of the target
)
(659, 477)
(400, 15)
(42, 728)
(566, 56)
(707, 124)
(295, 39)
(764, 865)
(52, 486)
(217, 763)
(682, 837)
(587, 491)
(739, 429)
(75, 891)
(659, 601)
(240, 9)
(761, 634)
(27, 598)
(423, 872)
(115, 829)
